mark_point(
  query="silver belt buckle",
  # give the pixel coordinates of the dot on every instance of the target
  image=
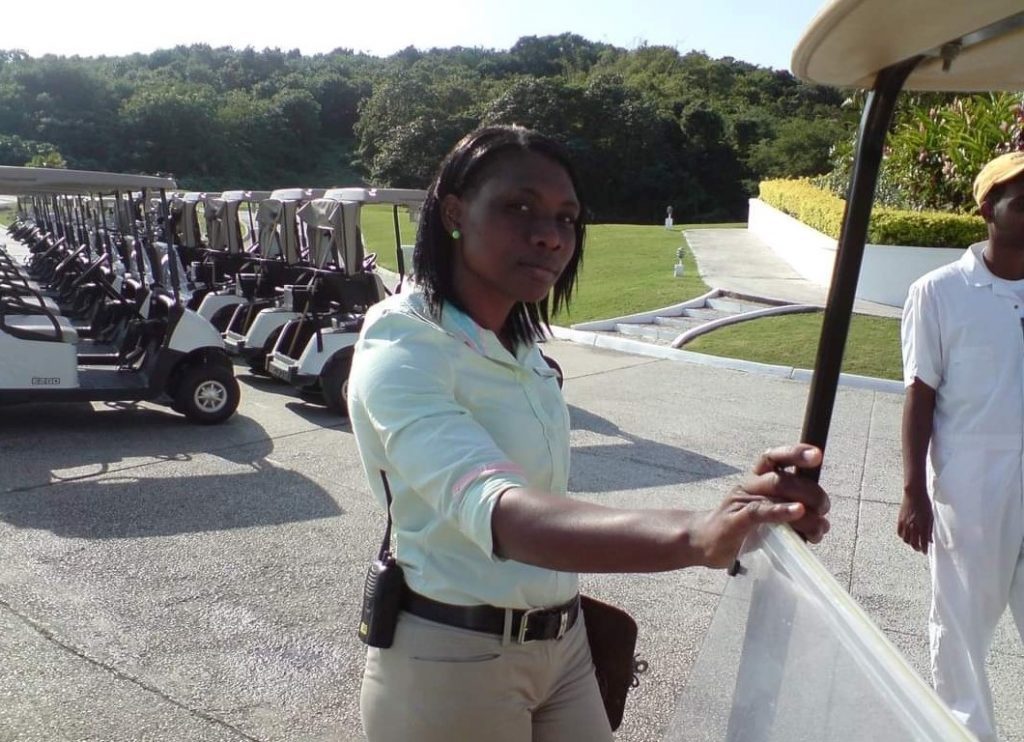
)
(563, 624)
(524, 623)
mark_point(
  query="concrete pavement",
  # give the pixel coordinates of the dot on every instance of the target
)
(737, 260)
(162, 581)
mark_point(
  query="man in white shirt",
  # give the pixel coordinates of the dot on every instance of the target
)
(963, 359)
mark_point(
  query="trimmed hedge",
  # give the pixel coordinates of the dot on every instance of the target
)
(823, 211)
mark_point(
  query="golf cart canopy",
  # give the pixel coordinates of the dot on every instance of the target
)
(20, 181)
(967, 45)
(296, 194)
(885, 46)
(410, 197)
(251, 196)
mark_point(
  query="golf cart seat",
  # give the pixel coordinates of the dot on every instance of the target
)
(29, 295)
(39, 327)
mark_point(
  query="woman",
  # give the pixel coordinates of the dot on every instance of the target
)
(454, 407)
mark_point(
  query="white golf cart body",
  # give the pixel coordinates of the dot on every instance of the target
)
(278, 234)
(39, 346)
(224, 232)
(410, 199)
(333, 228)
(337, 219)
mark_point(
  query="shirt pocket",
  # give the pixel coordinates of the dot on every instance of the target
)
(971, 369)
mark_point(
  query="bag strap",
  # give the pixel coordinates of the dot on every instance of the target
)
(386, 543)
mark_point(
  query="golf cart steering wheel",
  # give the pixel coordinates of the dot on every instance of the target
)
(90, 271)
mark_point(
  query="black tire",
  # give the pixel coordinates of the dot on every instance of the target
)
(207, 394)
(334, 382)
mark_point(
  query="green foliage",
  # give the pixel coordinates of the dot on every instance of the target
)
(822, 210)
(17, 151)
(650, 127)
(800, 149)
(937, 146)
(51, 158)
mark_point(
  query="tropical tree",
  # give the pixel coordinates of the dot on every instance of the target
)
(937, 146)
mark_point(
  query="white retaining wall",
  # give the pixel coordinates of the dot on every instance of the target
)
(886, 271)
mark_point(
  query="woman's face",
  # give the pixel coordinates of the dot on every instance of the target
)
(518, 234)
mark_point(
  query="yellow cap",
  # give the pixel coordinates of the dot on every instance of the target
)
(1003, 168)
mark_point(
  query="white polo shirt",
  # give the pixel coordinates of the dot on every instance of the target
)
(455, 419)
(962, 336)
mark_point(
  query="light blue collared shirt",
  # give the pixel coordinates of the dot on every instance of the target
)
(455, 419)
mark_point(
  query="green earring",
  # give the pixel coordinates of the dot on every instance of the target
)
(456, 234)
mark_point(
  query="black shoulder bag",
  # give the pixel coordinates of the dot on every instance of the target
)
(611, 633)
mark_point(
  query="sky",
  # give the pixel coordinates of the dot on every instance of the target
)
(758, 31)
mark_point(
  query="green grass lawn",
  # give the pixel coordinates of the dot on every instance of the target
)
(628, 268)
(379, 233)
(873, 346)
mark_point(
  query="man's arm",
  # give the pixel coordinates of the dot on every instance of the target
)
(915, 520)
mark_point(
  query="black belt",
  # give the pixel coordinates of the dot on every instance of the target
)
(535, 624)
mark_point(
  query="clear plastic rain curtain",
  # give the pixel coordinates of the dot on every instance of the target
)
(791, 657)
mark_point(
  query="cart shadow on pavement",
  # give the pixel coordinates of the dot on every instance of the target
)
(630, 462)
(307, 405)
(127, 507)
(131, 473)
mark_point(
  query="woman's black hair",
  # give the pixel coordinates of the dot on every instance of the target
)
(460, 174)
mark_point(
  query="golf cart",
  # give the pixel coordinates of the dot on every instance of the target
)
(213, 270)
(881, 47)
(936, 46)
(276, 291)
(170, 355)
(314, 350)
(57, 275)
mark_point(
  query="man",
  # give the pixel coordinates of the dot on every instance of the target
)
(963, 366)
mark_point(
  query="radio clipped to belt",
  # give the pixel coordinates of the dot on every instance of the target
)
(382, 592)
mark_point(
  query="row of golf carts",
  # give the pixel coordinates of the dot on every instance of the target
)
(121, 288)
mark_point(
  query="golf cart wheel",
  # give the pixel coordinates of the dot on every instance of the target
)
(334, 382)
(207, 394)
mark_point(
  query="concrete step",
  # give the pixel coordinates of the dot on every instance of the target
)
(681, 322)
(662, 330)
(736, 306)
(656, 333)
(707, 314)
(653, 340)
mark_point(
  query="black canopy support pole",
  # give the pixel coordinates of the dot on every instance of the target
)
(398, 244)
(874, 124)
(80, 217)
(253, 235)
(106, 238)
(169, 245)
(342, 257)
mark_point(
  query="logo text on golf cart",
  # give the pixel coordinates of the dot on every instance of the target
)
(45, 381)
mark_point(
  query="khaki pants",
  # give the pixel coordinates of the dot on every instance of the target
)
(438, 683)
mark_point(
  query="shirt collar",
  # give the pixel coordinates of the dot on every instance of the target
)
(483, 341)
(972, 264)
